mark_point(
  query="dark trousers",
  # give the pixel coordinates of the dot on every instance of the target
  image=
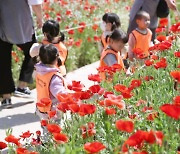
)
(6, 79)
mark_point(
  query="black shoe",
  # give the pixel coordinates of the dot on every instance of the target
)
(6, 103)
(24, 92)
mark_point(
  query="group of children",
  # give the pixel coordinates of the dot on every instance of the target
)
(52, 53)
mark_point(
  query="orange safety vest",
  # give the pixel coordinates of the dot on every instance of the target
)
(102, 63)
(143, 41)
(63, 52)
(43, 85)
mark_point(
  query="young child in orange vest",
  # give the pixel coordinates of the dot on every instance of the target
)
(112, 54)
(140, 38)
(49, 81)
(51, 32)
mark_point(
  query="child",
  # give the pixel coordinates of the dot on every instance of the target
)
(111, 55)
(49, 81)
(111, 21)
(140, 38)
(51, 32)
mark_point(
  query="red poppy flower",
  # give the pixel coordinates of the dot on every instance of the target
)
(175, 28)
(148, 78)
(177, 54)
(74, 108)
(68, 12)
(86, 109)
(126, 92)
(76, 86)
(63, 106)
(138, 52)
(160, 29)
(171, 110)
(116, 67)
(53, 128)
(125, 125)
(161, 38)
(85, 94)
(51, 114)
(12, 139)
(44, 122)
(107, 93)
(71, 32)
(142, 152)
(33, 152)
(140, 102)
(136, 139)
(152, 116)
(163, 22)
(94, 77)
(95, 27)
(176, 100)
(110, 111)
(88, 131)
(148, 62)
(165, 45)
(44, 102)
(135, 83)
(176, 75)
(38, 133)
(22, 151)
(94, 147)
(150, 137)
(60, 138)
(2, 145)
(97, 38)
(161, 64)
(26, 134)
(114, 100)
(78, 43)
(159, 137)
(95, 88)
(154, 57)
(147, 108)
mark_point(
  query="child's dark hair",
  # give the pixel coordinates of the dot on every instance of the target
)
(141, 14)
(114, 20)
(52, 29)
(104, 17)
(119, 35)
(48, 54)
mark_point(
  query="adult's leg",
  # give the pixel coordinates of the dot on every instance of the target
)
(28, 65)
(153, 30)
(6, 80)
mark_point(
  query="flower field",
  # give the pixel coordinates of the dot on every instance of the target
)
(135, 113)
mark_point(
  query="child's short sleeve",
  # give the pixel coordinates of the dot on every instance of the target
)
(110, 59)
(34, 50)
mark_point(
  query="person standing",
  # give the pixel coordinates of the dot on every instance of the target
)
(150, 6)
(16, 28)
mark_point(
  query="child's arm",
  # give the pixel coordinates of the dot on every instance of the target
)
(34, 50)
(131, 43)
(110, 59)
(57, 86)
(37, 9)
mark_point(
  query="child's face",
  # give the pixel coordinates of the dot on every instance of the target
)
(108, 26)
(116, 45)
(144, 22)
